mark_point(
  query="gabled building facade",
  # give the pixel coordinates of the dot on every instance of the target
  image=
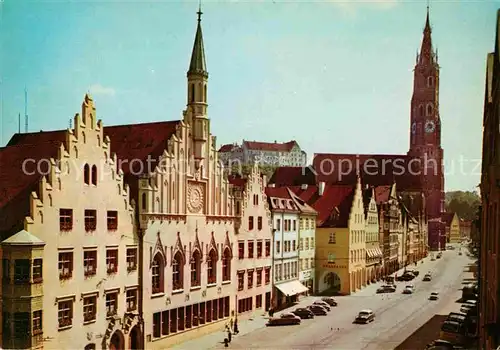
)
(285, 218)
(254, 238)
(70, 276)
(452, 222)
(374, 254)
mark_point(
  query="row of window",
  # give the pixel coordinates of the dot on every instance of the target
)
(288, 225)
(23, 324)
(307, 224)
(357, 255)
(306, 263)
(250, 277)
(188, 317)
(306, 243)
(25, 271)
(288, 246)
(250, 245)
(66, 262)
(251, 223)
(159, 263)
(90, 219)
(286, 270)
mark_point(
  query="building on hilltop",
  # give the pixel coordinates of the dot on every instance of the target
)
(263, 153)
(489, 245)
(254, 237)
(70, 249)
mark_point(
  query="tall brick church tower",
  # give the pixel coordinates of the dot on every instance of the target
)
(425, 136)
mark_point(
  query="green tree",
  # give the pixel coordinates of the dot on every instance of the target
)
(464, 203)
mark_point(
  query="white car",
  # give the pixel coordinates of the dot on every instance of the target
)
(365, 316)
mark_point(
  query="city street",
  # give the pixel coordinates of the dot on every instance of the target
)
(397, 315)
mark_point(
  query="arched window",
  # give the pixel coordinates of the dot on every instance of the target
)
(421, 110)
(86, 174)
(177, 275)
(226, 265)
(430, 81)
(429, 109)
(143, 201)
(205, 93)
(94, 175)
(75, 149)
(196, 269)
(98, 141)
(191, 94)
(238, 208)
(157, 271)
(84, 139)
(212, 267)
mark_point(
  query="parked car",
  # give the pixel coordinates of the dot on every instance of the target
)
(365, 316)
(440, 345)
(433, 259)
(322, 303)
(408, 290)
(284, 320)
(318, 310)
(456, 317)
(303, 313)
(427, 278)
(415, 272)
(329, 300)
(386, 289)
(407, 276)
(434, 296)
(453, 331)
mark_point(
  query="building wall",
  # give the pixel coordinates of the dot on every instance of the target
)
(455, 236)
(307, 230)
(373, 244)
(286, 263)
(357, 234)
(65, 188)
(256, 289)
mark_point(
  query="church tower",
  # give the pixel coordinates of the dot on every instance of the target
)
(196, 113)
(425, 133)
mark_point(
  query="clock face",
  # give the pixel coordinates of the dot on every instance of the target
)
(429, 126)
(413, 128)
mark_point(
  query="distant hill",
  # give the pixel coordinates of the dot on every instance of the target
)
(464, 203)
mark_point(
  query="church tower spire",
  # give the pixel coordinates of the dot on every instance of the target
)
(196, 113)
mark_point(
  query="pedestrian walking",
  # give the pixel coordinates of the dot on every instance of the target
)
(229, 336)
(236, 330)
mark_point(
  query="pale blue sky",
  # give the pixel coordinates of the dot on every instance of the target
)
(335, 76)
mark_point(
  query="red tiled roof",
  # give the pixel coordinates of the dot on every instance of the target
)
(375, 170)
(293, 176)
(237, 181)
(226, 148)
(278, 192)
(270, 146)
(447, 218)
(382, 194)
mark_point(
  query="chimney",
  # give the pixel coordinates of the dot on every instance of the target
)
(303, 187)
(321, 188)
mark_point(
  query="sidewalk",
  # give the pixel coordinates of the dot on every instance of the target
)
(247, 323)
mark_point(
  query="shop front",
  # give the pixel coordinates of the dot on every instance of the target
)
(287, 293)
(306, 277)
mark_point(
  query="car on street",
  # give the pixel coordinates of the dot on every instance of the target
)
(440, 345)
(408, 290)
(433, 259)
(459, 253)
(322, 303)
(407, 276)
(303, 313)
(456, 317)
(287, 319)
(439, 256)
(434, 296)
(365, 316)
(453, 331)
(386, 289)
(329, 300)
(427, 278)
(318, 310)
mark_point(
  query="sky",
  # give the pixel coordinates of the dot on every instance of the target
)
(334, 76)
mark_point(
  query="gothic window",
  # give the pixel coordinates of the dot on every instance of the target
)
(143, 201)
(429, 109)
(421, 110)
(84, 139)
(200, 92)
(212, 267)
(75, 149)
(191, 93)
(205, 93)
(195, 269)
(98, 140)
(430, 81)
(157, 271)
(226, 265)
(94, 175)
(177, 276)
(86, 174)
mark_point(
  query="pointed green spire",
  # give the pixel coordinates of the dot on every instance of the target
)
(198, 64)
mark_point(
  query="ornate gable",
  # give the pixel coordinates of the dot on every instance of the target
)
(158, 249)
(197, 245)
(212, 245)
(227, 244)
(179, 248)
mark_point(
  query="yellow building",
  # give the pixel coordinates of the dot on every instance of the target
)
(452, 227)
(374, 255)
(340, 239)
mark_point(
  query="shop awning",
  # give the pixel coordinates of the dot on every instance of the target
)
(292, 288)
(369, 253)
(378, 252)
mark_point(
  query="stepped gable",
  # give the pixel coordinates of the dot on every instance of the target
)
(293, 176)
(374, 170)
(16, 184)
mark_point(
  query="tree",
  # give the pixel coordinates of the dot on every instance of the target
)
(464, 203)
